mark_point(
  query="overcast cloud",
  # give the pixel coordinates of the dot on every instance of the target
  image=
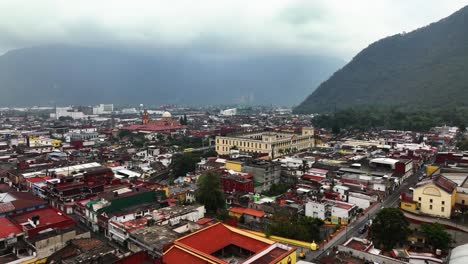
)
(339, 28)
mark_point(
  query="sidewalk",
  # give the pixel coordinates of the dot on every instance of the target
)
(428, 219)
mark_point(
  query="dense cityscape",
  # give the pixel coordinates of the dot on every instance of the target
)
(255, 184)
(233, 132)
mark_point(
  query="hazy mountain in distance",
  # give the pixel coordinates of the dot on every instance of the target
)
(425, 68)
(61, 75)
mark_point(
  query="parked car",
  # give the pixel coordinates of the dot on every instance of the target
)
(363, 228)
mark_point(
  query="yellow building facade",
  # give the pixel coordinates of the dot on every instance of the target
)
(234, 165)
(274, 144)
(436, 197)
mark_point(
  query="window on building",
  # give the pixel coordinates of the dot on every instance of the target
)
(463, 201)
(419, 199)
(443, 202)
(430, 200)
(442, 209)
(430, 207)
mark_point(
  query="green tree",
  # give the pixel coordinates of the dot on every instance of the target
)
(222, 214)
(463, 145)
(210, 153)
(65, 118)
(124, 133)
(461, 128)
(389, 228)
(436, 236)
(242, 219)
(277, 189)
(183, 163)
(209, 191)
(138, 140)
(295, 227)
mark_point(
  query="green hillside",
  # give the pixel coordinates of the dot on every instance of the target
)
(426, 68)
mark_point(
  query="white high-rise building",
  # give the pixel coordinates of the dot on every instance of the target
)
(103, 109)
(67, 111)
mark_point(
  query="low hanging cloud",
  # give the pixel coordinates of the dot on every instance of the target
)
(322, 27)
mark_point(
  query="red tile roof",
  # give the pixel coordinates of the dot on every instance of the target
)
(237, 210)
(218, 236)
(49, 217)
(87, 243)
(25, 196)
(6, 207)
(177, 254)
(444, 183)
(38, 179)
(247, 211)
(204, 221)
(150, 127)
(8, 227)
(253, 212)
(313, 177)
(199, 246)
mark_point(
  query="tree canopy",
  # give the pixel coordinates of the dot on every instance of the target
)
(389, 228)
(436, 236)
(295, 227)
(183, 163)
(209, 191)
(365, 118)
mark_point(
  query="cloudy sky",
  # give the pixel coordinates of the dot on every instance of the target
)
(339, 28)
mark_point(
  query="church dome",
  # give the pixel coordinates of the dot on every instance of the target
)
(166, 115)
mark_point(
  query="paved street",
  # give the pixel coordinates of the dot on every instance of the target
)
(353, 228)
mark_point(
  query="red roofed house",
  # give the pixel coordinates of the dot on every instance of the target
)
(250, 215)
(10, 232)
(436, 196)
(315, 175)
(32, 222)
(237, 182)
(221, 243)
(17, 202)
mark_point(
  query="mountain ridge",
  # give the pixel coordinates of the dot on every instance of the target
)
(422, 68)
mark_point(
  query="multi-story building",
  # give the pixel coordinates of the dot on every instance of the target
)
(336, 212)
(68, 112)
(62, 194)
(265, 173)
(274, 144)
(96, 210)
(436, 196)
(103, 109)
(237, 182)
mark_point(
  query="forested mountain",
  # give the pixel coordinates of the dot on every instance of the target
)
(425, 68)
(62, 75)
